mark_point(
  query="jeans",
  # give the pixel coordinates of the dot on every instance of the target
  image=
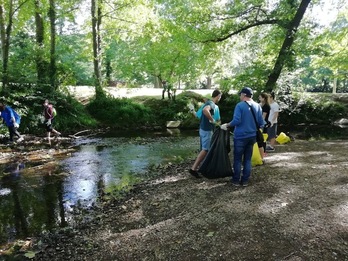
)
(13, 131)
(243, 150)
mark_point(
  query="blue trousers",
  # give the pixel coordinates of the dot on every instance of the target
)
(243, 150)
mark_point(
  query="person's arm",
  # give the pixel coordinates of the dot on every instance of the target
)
(206, 112)
(50, 113)
(264, 114)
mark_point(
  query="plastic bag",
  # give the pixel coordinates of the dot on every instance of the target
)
(217, 163)
(256, 158)
(283, 138)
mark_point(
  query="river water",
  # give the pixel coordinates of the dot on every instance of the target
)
(36, 201)
(32, 202)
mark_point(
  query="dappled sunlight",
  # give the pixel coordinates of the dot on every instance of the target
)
(209, 185)
(341, 214)
(288, 165)
(283, 157)
(279, 201)
(132, 234)
(168, 179)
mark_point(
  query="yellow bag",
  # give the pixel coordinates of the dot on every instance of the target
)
(256, 157)
(265, 136)
(282, 138)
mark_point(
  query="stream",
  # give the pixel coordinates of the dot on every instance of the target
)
(36, 201)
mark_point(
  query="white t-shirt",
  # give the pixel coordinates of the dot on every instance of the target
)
(274, 109)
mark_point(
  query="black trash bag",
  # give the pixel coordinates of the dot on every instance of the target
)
(217, 163)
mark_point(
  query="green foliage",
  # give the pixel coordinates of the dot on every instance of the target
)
(119, 112)
(126, 183)
(28, 102)
(312, 109)
(168, 110)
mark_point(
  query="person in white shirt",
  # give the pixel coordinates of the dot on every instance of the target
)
(273, 118)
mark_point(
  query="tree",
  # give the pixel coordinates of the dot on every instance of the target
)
(285, 51)
(96, 10)
(8, 11)
(41, 65)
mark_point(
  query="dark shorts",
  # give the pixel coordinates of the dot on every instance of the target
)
(48, 127)
(272, 131)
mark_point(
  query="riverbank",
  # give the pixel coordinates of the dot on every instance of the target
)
(294, 209)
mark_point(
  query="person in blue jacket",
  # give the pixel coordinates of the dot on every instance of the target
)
(12, 120)
(244, 135)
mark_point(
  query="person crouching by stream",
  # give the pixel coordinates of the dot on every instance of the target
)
(206, 127)
(49, 114)
(12, 120)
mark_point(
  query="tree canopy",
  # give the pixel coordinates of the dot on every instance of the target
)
(261, 43)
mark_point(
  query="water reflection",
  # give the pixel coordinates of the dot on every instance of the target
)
(36, 198)
(101, 164)
(31, 204)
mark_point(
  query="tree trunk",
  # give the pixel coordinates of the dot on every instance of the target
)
(40, 32)
(209, 81)
(5, 43)
(96, 39)
(157, 83)
(53, 67)
(285, 51)
(334, 89)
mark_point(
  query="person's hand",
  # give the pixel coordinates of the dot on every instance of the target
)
(48, 122)
(16, 125)
(1, 125)
(191, 107)
(212, 121)
(225, 126)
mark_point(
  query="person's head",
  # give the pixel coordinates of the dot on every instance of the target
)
(271, 96)
(216, 95)
(264, 98)
(245, 94)
(45, 103)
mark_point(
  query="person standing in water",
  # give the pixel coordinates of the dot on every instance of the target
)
(49, 114)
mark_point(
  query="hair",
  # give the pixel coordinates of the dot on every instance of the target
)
(265, 96)
(272, 95)
(215, 93)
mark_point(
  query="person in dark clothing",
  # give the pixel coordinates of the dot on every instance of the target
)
(49, 114)
(266, 108)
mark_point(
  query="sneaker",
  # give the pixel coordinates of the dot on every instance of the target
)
(270, 148)
(20, 139)
(235, 184)
(194, 173)
(245, 184)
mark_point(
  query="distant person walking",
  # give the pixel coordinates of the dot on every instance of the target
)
(264, 102)
(206, 128)
(49, 114)
(273, 118)
(244, 135)
(12, 120)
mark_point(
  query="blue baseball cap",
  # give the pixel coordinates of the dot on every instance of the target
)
(247, 92)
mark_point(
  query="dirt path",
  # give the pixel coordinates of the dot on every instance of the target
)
(296, 208)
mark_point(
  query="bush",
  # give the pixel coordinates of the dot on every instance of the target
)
(121, 112)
